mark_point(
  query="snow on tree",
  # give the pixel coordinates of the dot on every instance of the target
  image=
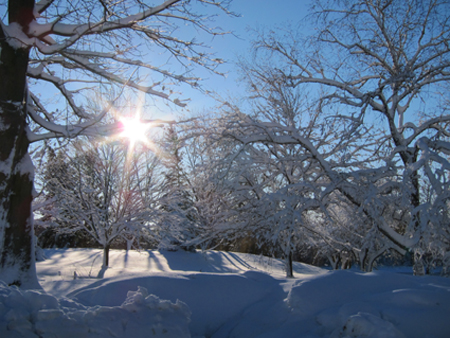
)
(352, 236)
(203, 150)
(278, 186)
(71, 48)
(376, 73)
(193, 192)
(176, 200)
(103, 191)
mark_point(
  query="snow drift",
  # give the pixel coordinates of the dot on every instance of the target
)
(228, 295)
(377, 305)
(33, 313)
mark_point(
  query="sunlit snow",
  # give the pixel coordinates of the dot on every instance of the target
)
(218, 294)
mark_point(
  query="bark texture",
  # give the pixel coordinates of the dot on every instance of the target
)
(17, 257)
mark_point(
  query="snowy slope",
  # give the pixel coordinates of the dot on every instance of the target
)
(241, 295)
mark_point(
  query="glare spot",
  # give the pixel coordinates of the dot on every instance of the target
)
(134, 130)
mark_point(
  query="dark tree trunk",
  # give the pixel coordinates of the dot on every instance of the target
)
(106, 256)
(289, 268)
(17, 257)
(102, 271)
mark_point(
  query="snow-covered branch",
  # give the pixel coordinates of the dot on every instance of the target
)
(83, 44)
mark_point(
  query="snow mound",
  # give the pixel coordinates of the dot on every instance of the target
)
(348, 304)
(366, 325)
(240, 295)
(213, 299)
(33, 313)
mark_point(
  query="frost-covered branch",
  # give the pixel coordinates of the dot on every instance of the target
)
(80, 44)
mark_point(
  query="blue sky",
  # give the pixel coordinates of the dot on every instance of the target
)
(254, 14)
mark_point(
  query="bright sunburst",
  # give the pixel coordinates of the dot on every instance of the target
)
(135, 130)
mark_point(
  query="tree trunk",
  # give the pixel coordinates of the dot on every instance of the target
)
(17, 256)
(130, 243)
(334, 260)
(289, 268)
(101, 273)
(419, 266)
(106, 255)
(346, 260)
(362, 255)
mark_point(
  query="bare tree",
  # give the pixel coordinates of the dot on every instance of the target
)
(103, 191)
(192, 189)
(378, 72)
(176, 198)
(75, 47)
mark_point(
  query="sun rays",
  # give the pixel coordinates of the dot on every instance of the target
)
(133, 127)
(135, 130)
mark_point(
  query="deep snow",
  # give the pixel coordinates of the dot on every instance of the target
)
(222, 295)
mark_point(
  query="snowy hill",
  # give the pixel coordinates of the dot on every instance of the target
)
(232, 295)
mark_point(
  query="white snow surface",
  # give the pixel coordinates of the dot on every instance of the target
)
(219, 294)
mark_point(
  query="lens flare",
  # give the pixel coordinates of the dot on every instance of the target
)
(134, 130)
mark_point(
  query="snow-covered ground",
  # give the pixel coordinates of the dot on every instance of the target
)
(218, 294)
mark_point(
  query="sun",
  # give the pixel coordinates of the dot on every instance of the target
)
(134, 130)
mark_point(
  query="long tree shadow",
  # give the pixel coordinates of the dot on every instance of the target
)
(153, 259)
(207, 261)
(125, 259)
(238, 259)
(101, 273)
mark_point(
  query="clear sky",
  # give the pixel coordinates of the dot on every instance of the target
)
(254, 14)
